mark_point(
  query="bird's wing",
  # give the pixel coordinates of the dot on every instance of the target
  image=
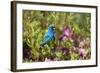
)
(46, 40)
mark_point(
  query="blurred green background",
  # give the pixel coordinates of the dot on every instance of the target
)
(74, 46)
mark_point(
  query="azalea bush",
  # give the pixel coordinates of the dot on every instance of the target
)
(72, 36)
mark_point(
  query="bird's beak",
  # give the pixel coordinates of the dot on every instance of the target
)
(54, 28)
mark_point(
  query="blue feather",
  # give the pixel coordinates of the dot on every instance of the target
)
(50, 35)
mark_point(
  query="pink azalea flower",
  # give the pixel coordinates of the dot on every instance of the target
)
(82, 53)
(67, 32)
(65, 50)
(64, 38)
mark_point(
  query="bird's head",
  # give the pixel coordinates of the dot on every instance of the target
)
(51, 27)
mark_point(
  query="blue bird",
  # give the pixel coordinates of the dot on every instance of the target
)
(49, 36)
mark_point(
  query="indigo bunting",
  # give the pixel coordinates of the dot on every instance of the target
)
(49, 36)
